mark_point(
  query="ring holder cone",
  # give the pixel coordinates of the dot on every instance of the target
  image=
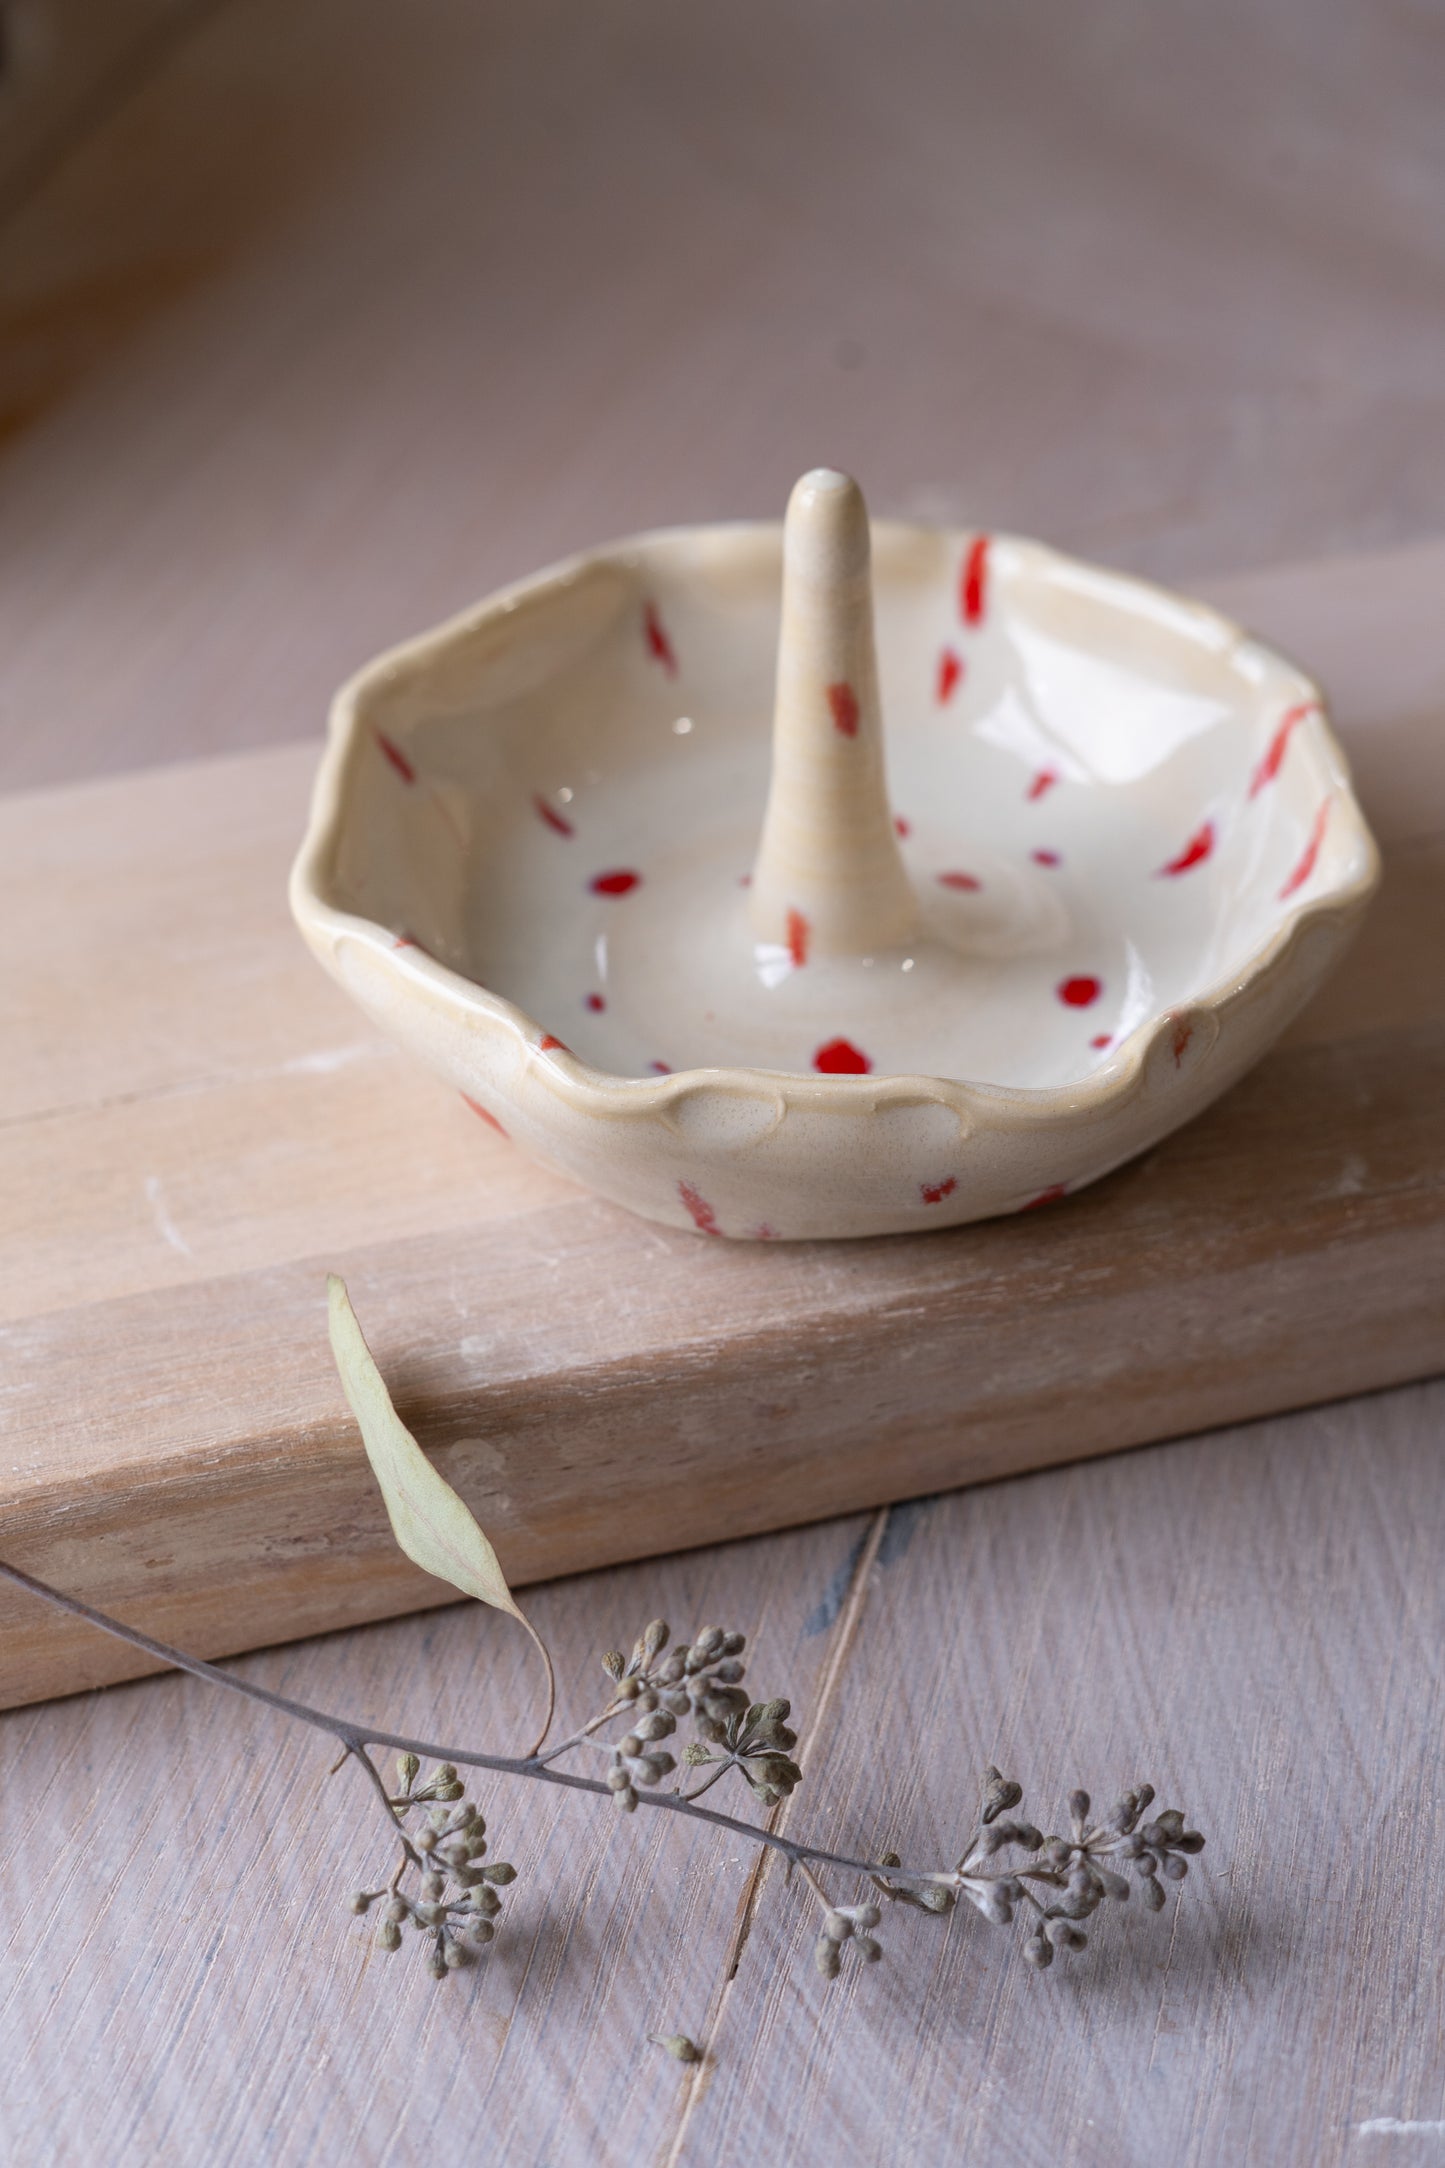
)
(829, 856)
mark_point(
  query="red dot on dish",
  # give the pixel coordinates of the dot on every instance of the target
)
(841, 1058)
(1079, 993)
(843, 702)
(935, 1192)
(1273, 760)
(1306, 865)
(596, 1004)
(619, 883)
(973, 582)
(1046, 858)
(1051, 1195)
(1194, 853)
(901, 828)
(799, 932)
(702, 1213)
(966, 882)
(557, 822)
(548, 1044)
(489, 1118)
(659, 647)
(950, 670)
(1102, 1039)
(1042, 782)
(661, 1068)
(396, 756)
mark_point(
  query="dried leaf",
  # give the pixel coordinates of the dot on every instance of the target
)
(434, 1527)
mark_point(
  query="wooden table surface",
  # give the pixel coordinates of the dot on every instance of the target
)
(317, 319)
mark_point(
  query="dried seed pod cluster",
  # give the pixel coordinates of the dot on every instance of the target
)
(699, 1680)
(1068, 1878)
(455, 1900)
(455, 1903)
(846, 1927)
(757, 1741)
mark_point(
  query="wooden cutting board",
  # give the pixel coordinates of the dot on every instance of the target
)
(194, 1126)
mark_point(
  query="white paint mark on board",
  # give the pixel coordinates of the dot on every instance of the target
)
(165, 1225)
(329, 1058)
(1390, 2126)
(1353, 1175)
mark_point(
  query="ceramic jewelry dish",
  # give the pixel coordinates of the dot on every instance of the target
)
(1114, 851)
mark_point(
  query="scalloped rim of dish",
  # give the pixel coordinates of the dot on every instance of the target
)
(598, 1091)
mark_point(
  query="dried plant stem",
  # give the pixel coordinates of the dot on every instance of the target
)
(455, 1904)
(357, 1738)
(815, 1885)
(578, 1738)
(546, 1655)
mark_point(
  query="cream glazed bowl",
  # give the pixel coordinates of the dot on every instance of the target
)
(623, 855)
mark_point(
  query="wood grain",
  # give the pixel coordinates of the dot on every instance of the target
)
(1254, 1623)
(194, 1988)
(1252, 1620)
(196, 1128)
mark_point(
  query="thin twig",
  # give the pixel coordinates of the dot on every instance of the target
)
(815, 1885)
(359, 1753)
(707, 1783)
(546, 1655)
(582, 1737)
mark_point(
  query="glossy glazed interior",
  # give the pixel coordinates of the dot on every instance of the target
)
(1076, 776)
